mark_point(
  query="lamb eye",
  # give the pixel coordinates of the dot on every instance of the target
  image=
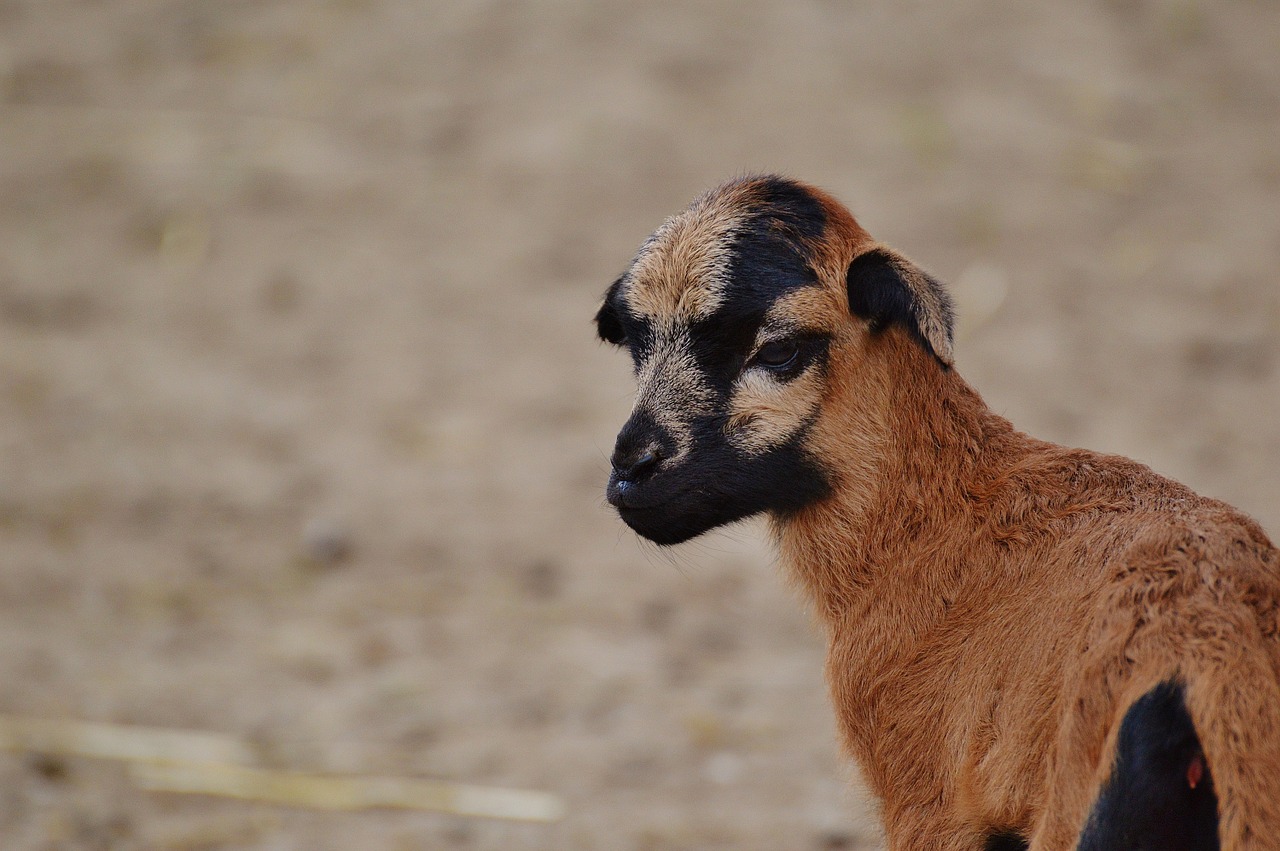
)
(777, 355)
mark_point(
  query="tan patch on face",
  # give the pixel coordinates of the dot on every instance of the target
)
(807, 308)
(682, 270)
(671, 388)
(765, 412)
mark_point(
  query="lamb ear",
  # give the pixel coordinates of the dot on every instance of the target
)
(886, 288)
(608, 326)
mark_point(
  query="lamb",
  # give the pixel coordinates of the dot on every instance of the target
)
(1029, 646)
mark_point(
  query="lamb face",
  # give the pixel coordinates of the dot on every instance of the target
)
(730, 361)
(734, 312)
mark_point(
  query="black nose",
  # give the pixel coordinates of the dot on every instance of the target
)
(635, 464)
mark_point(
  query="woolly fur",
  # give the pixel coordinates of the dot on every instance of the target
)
(994, 604)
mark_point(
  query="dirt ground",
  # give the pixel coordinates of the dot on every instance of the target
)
(303, 425)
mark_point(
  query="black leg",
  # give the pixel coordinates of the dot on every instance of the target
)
(1160, 793)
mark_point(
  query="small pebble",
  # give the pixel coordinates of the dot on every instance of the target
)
(326, 543)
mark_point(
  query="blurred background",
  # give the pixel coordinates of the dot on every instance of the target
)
(305, 425)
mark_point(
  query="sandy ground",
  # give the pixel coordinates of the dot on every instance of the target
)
(303, 425)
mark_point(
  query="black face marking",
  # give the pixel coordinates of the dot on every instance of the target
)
(878, 293)
(715, 483)
(676, 495)
(792, 209)
(769, 260)
(641, 447)
(1160, 794)
(722, 345)
(720, 487)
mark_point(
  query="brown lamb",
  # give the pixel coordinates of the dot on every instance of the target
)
(1002, 613)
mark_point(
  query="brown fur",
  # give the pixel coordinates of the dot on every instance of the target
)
(994, 603)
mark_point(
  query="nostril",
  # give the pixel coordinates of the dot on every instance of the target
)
(636, 466)
(643, 464)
